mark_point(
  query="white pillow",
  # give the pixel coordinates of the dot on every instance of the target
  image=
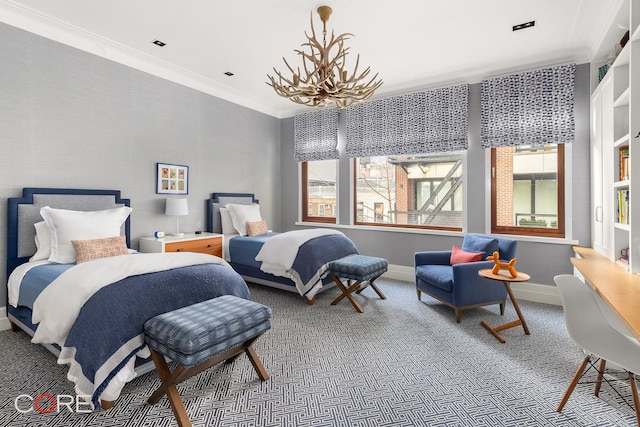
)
(226, 222)
(241, 214)
(67, 225)
(43, 242)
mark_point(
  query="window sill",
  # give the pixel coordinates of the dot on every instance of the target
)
(521, 238)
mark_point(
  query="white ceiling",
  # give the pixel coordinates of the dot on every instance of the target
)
(412, 44)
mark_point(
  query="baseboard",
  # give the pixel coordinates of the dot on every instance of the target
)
(400, 272)
(538, 293)
(4, 320)
(522, 291)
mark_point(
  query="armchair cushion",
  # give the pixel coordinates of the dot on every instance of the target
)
(440, 276)
(458, 256)
(479, 243)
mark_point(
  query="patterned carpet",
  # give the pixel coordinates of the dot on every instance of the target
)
(400, 363)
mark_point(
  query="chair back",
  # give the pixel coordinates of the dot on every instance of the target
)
(581, 312)
(507, 248)
(484, 243)
(589, 328)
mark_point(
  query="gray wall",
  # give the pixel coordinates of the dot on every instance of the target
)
(75, 120)
(541, 260)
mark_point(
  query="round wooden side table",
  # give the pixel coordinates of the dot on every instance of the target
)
(506, 278)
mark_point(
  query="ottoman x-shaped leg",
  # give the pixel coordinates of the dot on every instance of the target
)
(350, 288)
(181, 373)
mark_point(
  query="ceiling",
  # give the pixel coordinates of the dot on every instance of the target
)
(412, 44)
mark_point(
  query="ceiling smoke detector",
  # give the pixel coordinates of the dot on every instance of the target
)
(524, 25)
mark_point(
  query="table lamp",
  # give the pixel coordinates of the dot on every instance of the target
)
(177, 207)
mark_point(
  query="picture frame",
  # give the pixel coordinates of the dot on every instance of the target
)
(172, 179)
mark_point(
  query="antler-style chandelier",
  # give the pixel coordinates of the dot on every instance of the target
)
(326, 79)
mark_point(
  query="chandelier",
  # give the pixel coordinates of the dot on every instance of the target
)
(325, 80)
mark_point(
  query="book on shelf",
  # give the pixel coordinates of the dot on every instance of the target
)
(622, 211)
(624, 162)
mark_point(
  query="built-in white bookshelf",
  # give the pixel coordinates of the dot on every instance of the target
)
(615, 146)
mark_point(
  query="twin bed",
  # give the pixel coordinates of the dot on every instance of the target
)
(85, 308)
(294, 261)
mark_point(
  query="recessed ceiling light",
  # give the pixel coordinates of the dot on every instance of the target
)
(228, 73)
(159, 43)
(524, 25)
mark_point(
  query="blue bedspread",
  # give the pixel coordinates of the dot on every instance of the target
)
(309, 266)
(109, 328)
(36, 279)
(314, 256)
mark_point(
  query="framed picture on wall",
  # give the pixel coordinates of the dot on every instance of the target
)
(172, 179)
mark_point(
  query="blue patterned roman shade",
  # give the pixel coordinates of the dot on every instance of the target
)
(532, 108)
(316, 135)
(416, 123)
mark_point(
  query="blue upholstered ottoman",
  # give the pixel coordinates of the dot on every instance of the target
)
(201, 335)
(360, 268)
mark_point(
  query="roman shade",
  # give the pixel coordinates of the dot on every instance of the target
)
(316, 135)
(422, 122)
(532, 108)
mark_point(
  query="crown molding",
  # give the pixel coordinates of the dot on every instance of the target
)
(43, 25)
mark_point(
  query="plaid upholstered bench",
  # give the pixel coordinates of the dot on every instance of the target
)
(361, 269)
(201, 335)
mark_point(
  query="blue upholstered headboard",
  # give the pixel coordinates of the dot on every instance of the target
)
(23, 212)
(214, 223)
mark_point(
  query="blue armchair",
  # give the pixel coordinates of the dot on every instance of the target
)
(459, 285)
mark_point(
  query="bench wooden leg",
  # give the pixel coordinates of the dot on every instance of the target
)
(346, 292)
(376, 289)
(257, 364)
(181, 373)
(179, 411)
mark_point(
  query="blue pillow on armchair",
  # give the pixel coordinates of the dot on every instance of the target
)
(479, 243)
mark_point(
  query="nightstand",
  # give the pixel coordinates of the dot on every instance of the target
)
(206, 243)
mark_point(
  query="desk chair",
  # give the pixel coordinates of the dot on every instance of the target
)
(589, 328)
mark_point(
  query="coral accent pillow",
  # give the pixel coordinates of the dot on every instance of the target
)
(88, 250)
(458, 256)
(257, 228)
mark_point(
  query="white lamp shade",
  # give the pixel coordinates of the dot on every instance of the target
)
(178, 207)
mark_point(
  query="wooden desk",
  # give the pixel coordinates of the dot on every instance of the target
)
(504, 277)
(616, 286)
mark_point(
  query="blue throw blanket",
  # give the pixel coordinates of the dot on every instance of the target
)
(109, 330)
(314, 256)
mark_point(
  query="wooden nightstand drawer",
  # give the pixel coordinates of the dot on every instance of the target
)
(212, 246)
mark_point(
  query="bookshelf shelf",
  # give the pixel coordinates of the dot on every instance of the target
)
(623, 140)
(623, 99)
(623, 227)
(615, 103)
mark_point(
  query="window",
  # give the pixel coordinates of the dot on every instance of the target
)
(527, 190)
(409, 191)
(319, 191)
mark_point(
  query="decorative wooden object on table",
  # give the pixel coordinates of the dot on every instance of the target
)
(206, 243)
(506, 279)
(510, 266)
